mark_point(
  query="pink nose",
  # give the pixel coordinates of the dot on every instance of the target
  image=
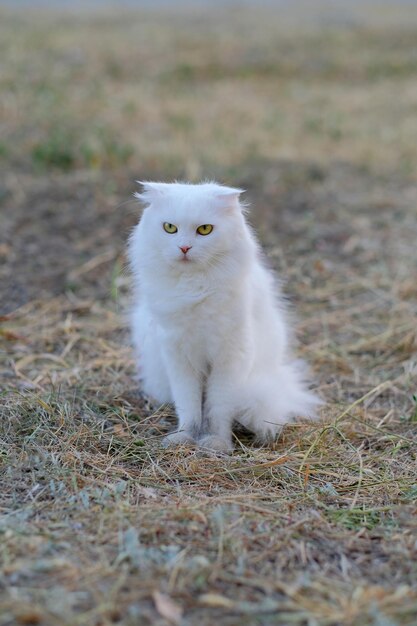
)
(185, 249)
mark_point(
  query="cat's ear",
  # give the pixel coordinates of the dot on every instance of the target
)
(228, 197)
(151, 191)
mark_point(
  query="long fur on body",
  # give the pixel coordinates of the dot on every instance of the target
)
(208, 325)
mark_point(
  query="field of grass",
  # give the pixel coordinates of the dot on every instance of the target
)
(315, 115)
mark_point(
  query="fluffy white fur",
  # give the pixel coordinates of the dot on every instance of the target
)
(208, 326)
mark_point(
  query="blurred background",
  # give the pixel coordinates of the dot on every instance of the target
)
(310, 106)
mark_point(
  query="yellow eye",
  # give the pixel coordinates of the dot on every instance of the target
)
(170, 228)
(205, 229)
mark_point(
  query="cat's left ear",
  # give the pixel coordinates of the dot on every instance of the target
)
(151, 191)
(228, 197)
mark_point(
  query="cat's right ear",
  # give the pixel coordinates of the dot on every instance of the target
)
(151, 192)
(228, 197)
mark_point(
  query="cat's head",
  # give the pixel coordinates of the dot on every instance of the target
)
(190, 227)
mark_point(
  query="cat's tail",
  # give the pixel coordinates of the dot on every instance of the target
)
(269, 402)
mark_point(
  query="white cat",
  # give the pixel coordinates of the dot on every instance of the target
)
(208, 325)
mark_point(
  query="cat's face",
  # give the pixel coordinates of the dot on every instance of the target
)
(190, 227)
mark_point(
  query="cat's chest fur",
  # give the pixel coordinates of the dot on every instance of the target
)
(193, 312)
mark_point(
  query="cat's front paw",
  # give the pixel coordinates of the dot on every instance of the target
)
(216, 443)
(178, 438)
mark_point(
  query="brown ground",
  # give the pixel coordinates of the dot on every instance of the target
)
(99, 524)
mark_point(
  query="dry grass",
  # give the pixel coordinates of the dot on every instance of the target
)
(99, 524)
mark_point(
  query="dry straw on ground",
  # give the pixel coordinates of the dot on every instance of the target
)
(98, 523)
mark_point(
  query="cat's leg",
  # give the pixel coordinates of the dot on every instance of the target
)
(187, 388)
(219, 410)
